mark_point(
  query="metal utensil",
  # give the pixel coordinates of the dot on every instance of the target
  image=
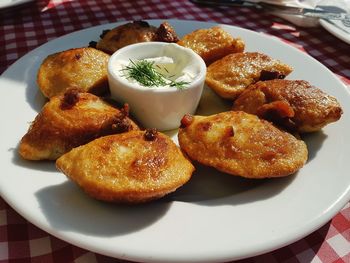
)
(290, 10)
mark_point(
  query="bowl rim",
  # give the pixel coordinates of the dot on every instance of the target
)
(197, 80)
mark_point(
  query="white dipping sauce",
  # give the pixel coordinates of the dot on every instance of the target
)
(174, 66)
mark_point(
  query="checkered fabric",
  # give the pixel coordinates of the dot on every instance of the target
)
(26, 27)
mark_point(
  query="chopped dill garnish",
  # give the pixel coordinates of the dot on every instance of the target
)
(145, 74)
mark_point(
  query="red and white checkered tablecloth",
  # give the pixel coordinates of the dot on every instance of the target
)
(26, 27)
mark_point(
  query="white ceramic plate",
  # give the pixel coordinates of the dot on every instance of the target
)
(11, 3)
(337, 29)
(215, 217)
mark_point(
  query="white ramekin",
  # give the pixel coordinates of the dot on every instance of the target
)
(160, 108)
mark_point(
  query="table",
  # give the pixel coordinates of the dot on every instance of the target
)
(26, 27)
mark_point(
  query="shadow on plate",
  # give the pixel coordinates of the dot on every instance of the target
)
(211, 187)
(34, 97)
(210, 103)
(68, 208)
(26, 71)
(45, 166)
(314, 143)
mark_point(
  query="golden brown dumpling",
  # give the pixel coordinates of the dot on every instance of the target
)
(293, 104)
(229, 76)
(70, 120)
(131, 167)
(81, 68)
(135, 32)
(241, 144)
(212, 43)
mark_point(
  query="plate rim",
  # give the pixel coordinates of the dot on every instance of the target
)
(10, 3)
(335, 31)
(331, 212)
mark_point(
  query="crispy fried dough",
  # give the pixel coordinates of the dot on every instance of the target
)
(293, 104)
(132, 167)
(229, 76)
(212, 43)
(84, 68)
(135, 32)
(241, 144)
(70, 120)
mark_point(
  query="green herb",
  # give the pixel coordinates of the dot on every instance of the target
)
(145, 74)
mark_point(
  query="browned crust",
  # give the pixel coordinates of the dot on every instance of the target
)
(135, 32)
(127, 167)
(229, 76)
(212, 43)
(312, 108)
(80, 68)
(241, 144)
(58, 129)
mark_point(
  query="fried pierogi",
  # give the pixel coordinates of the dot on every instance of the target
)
(135, 32)
(241, 144)
(82, 68)
(229, 76)
(70, 120)
(293, 104)
(212, 43)
(132, 167)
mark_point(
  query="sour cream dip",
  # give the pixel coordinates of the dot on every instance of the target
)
(164, 71)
